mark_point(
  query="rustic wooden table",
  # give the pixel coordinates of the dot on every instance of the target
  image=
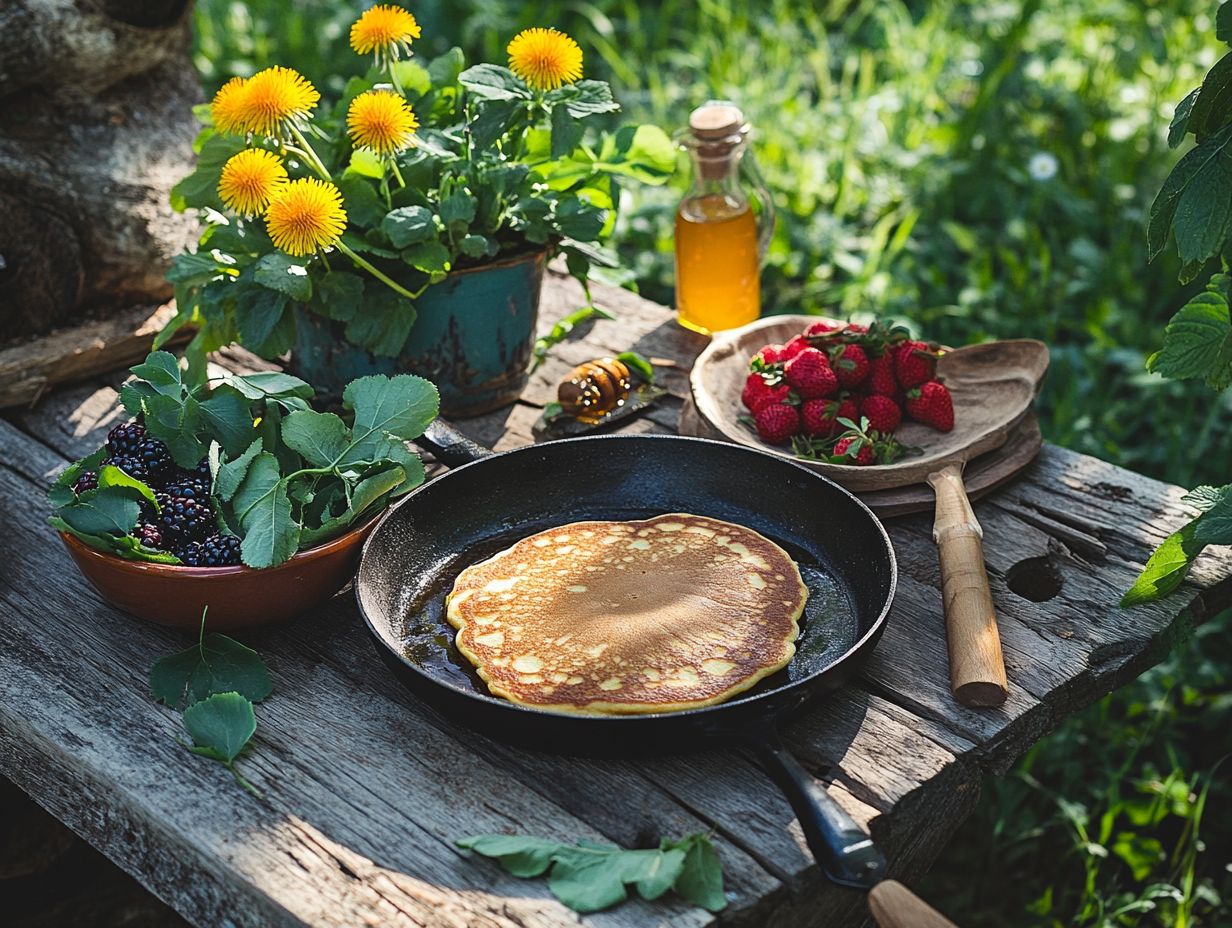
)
(364, 789)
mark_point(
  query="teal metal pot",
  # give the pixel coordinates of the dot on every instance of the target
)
(472, 337)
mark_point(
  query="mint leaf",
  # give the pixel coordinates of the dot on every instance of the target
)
(111, 476)
(339, 295)
(1166, 568)
(231, 472)
(653, 872)
(409, 225)
(566, 132)
(217, 664)
(521, 855)
(321, 437)
(264, 385)
(585, 880)
(492, 120)
(701, 877)
(263, 509)
(374, 487)
(1204, 497)
(220, 726)
(1214, 526)
(400, 407)
(1198, 339)
(285, 274)
(458, 207)
(229, 419)
(61, 492)
(363, 204)
(176, 422)
(161, 371)
(110, 511)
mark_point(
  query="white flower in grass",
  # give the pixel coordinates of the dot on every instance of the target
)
(1042, 166)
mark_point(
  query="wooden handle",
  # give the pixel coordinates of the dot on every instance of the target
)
(895, 906)
(977, 669)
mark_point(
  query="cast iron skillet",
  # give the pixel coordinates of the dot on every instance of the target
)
(413, 556)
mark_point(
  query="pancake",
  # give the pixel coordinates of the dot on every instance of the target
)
(613, 618)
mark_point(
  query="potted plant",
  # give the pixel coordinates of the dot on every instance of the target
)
(406, 227)
(235, 494)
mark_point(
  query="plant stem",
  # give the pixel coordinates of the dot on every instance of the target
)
(398, 174)
(308, 152)
(379, 275)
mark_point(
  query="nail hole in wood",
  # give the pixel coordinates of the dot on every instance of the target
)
(1035, 579)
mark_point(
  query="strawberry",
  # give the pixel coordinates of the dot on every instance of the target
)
(774, 396)
(818, 329)
(931, 404)
(794, 347)
(882, 413)
(850, 365)
(755, 388)
(914, 363)
(881, 380)
(860, 456)
(776, 423)
(821, 416)
(809, 373)
(771, 354)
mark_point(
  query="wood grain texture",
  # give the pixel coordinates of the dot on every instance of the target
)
(364, 789)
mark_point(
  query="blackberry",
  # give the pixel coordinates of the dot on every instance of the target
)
(184, 519)
(148, 534)
(131, 464)
(216, 551)
(157, 459)
(86, 480)
(188, 483)
(126, 438)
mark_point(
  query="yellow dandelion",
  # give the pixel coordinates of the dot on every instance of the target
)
(249, 179)
(226, 106)
(305, 216)
(382, 121)
(384, 28)
(272, 97)
(545, 58)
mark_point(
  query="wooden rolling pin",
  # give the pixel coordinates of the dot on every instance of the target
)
(977, 669)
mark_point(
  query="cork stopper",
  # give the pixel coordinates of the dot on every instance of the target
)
(716, 120)
(718, 127)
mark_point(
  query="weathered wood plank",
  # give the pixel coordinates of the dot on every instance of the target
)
(353, 807)
(30, 368)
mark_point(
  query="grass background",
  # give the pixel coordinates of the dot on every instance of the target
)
(975, 169)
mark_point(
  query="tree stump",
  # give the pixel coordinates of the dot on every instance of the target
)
(96, 126)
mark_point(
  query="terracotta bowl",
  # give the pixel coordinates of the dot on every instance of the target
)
(238, 597)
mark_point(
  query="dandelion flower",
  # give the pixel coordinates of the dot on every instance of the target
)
(384, 29)
(545, 58)
(305, 216)
(382, 121)
(226, 106)
(273, 97)
(249, 179)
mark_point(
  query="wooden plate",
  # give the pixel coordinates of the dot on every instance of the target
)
(993, 384)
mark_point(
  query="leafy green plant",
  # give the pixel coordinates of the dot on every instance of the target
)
(589, 877)
(215, 682)
(1194, 209)
(416, 171)
(284, 477)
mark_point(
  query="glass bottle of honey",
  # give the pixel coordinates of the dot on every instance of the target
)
(720, 242)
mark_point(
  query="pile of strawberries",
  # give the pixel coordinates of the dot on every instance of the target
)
(837, 392)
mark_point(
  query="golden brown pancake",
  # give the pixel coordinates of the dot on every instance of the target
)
(671, 613)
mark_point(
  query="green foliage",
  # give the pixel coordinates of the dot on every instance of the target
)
(216, 681)
(589, 877)
(497, 168)
(285, 477)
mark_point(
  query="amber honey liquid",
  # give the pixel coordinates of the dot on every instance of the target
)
(717, 265)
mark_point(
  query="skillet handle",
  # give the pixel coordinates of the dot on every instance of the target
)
(840, 847)
(449, 446)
